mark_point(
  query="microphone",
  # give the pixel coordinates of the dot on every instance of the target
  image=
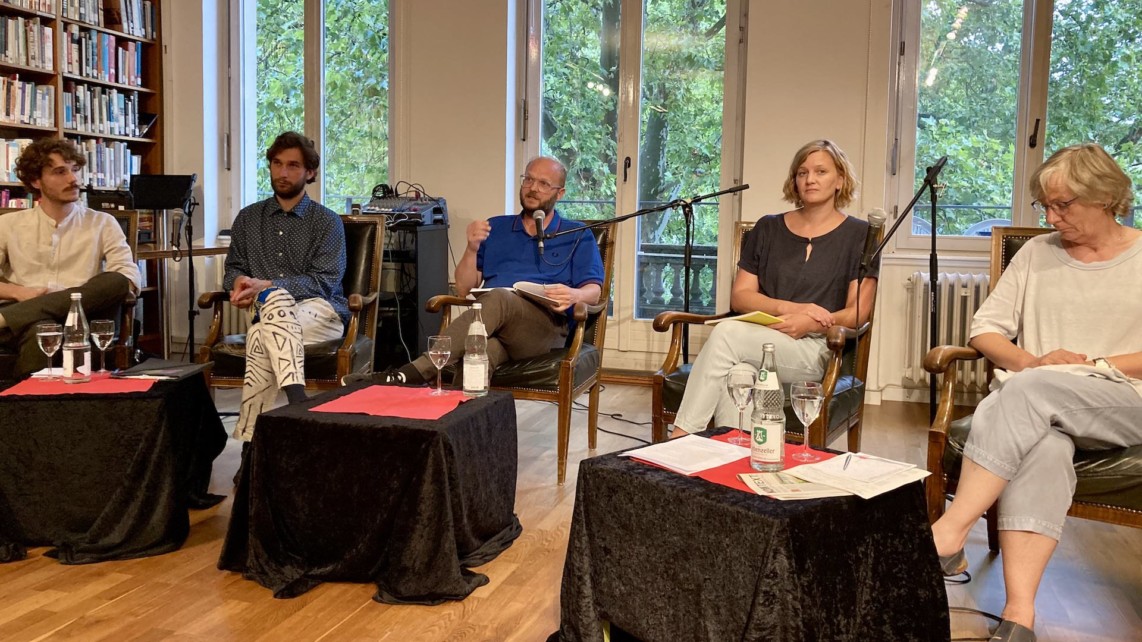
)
(934, 171)
(538, 216)
(876, 220)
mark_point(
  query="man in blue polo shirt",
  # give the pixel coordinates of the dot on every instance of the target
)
(504, 250)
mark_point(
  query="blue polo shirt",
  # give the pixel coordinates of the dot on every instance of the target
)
(510, 254)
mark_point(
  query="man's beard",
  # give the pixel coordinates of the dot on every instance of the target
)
(293, 190)
(546, 206)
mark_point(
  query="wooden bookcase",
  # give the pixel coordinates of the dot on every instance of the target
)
(100, 88)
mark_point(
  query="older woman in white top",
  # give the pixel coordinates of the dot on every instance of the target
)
(1069, 301)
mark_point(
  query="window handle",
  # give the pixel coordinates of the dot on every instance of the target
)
(1034, 140)
(626, 168)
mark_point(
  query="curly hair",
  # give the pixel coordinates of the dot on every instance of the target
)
(849, 184)
(37, 156)
(1091, 173)
(294, 140)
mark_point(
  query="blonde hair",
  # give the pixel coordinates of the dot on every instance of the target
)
(1088, 171)
(849, 184)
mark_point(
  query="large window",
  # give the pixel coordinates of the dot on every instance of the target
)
(634, 102)
(999, 85)
(348, 98)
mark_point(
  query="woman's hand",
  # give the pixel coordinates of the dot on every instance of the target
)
(798, 325)
(814, 312)
(1058, 357)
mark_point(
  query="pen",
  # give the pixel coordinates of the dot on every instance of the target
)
(848, 458)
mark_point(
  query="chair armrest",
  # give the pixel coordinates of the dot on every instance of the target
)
(940, 359)
(208, 299)
(442, 301)
(667, 320)
(837, 336)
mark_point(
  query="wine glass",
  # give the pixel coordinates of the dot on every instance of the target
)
(807, 397)
(50, 337)
(103, 334)
(439, 349)
(739, 383)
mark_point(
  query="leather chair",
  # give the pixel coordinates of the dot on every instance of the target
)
(842, 408)
(119, 353)
(326, 362)
(1109, 486)
(563, 374)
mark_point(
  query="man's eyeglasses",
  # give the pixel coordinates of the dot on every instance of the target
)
(1060, 208)
(538, 182)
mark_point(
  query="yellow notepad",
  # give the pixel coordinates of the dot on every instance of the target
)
(759, 318)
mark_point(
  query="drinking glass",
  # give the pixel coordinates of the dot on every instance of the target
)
(439, 349)
(807, 397)
(739, 383)
(50, 337)
(103, 334)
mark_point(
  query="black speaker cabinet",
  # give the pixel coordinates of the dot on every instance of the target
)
(414, 268)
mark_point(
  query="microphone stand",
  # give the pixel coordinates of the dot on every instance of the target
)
(191, 310)
(933, 267)
(687, 206)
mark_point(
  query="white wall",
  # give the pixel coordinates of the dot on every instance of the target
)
(815, 68)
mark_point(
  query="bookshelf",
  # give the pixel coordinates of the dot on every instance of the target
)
(86, 70)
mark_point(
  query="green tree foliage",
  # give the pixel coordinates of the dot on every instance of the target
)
(968, 80)
(356, 90)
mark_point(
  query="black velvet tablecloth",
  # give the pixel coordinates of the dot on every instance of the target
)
(670, 558)
(103, 477)
(406, 504)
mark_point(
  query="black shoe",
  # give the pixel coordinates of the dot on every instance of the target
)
(387, 377)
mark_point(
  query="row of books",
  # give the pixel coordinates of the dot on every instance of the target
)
(97, 55)
(6, 200)
(26, 41)
(102, 110)
(46, 6)
(10, 149)
(133, 17)
(26, 102)
(110, 164)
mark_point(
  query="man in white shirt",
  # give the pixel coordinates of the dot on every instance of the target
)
(56, 248)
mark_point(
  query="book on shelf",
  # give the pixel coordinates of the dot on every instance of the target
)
(760, 318)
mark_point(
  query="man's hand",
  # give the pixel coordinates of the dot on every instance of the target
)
(246, 289)
(478, 231)
(21, 293)
(798, 325)
(565, 296)
(1058, 357)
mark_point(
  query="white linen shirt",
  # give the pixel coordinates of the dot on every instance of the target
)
(37, 252)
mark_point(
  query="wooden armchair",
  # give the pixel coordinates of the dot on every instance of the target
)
(120, 353)
(564, 374)
(843, 383)
(327, 362)
(1109, 486)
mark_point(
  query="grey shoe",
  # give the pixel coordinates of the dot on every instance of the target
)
(1009, 631)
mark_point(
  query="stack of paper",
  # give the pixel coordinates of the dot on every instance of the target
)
(690, 454)
(860, 474)
(784, 486)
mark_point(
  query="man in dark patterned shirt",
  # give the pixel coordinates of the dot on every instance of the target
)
(285, 264)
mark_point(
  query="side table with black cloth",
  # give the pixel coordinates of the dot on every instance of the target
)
(406, 504)
(104, 477)
(670, 558)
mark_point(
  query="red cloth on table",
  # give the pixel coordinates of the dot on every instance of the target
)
(395, 401)
(100, 384)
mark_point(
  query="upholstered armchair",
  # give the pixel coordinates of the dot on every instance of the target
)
(327, 362)
(1109, 485)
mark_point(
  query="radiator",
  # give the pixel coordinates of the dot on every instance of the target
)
(958, 297)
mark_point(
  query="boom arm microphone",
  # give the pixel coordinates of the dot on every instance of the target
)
(934, 171)
(538, 216)
(876, 220)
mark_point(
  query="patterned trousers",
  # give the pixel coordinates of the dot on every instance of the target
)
(275, 349)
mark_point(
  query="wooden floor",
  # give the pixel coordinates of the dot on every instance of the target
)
(1092, 589)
